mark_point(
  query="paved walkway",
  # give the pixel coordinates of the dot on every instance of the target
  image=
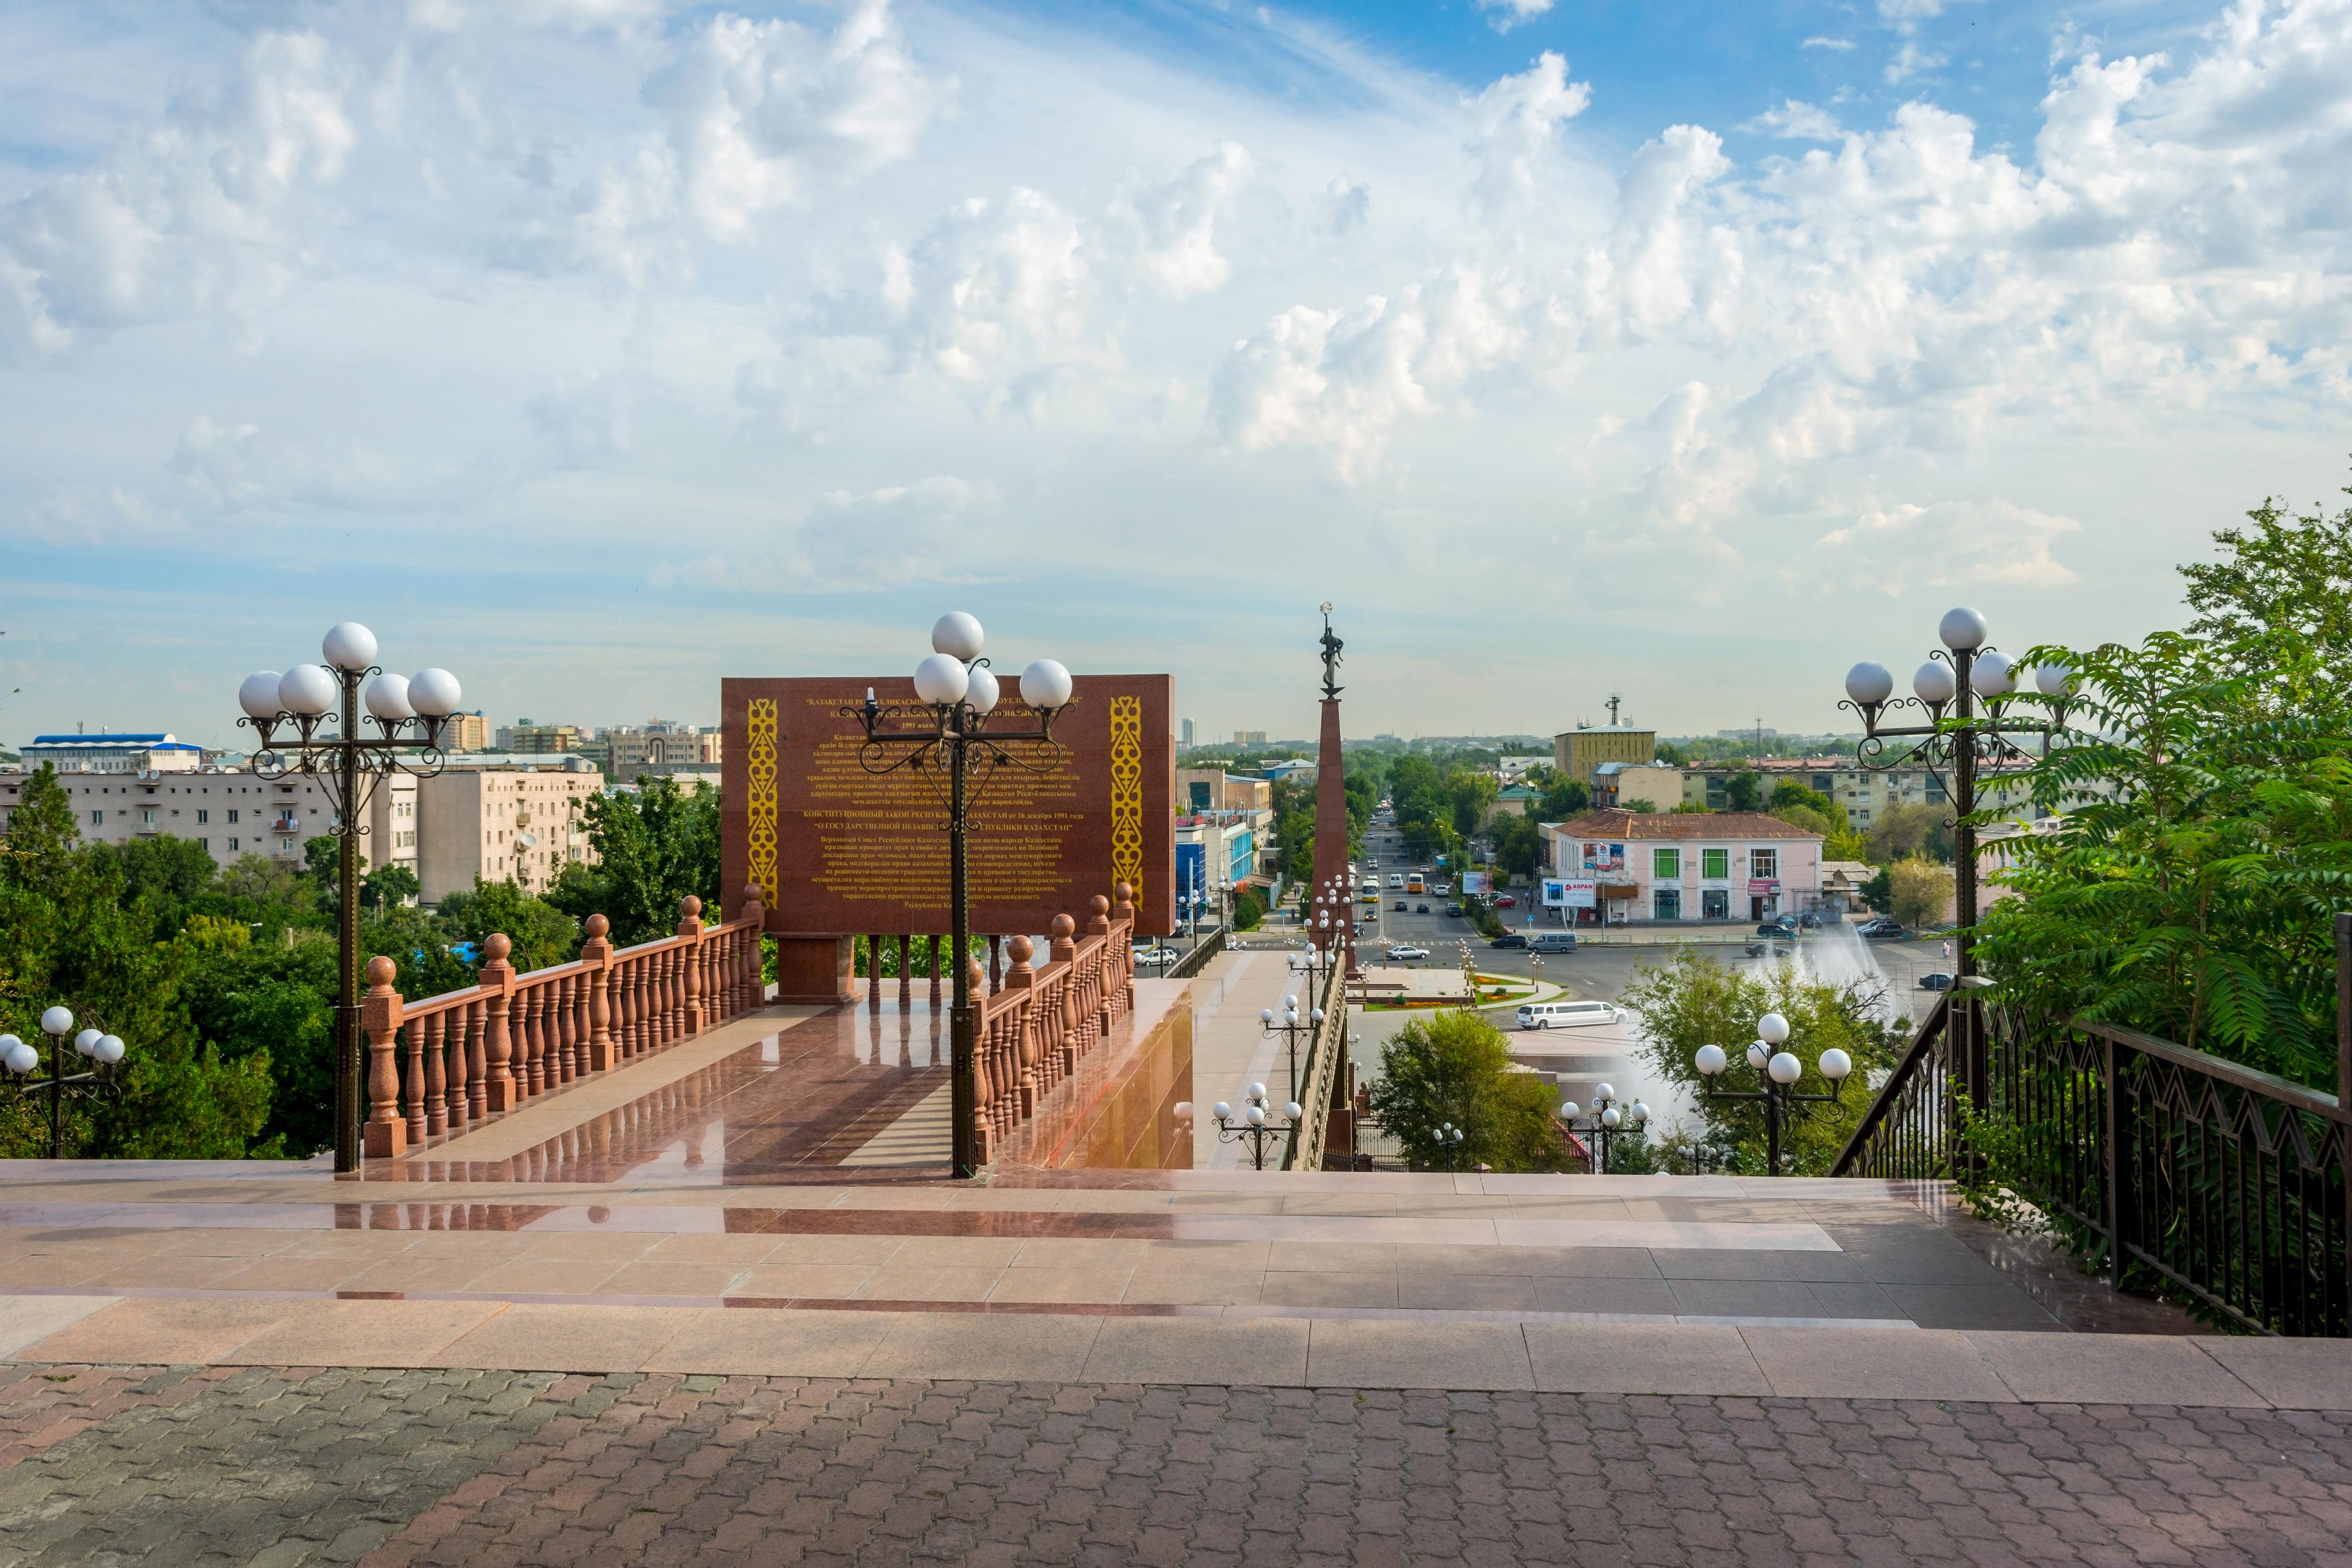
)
(667, 1323)
(265, 1466)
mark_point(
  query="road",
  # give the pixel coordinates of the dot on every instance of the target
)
(1601, 972)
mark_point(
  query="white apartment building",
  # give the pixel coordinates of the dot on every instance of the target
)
(113, 754)
(230, 812)
(511, 823)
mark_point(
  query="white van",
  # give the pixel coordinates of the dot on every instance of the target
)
(1568, 1014)
(1396, 881)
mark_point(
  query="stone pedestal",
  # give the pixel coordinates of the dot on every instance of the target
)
(816, 969)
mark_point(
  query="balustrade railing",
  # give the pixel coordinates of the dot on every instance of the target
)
(2220, 1184)
(1325, 1050)
(1030, 1037)
(444, 1065)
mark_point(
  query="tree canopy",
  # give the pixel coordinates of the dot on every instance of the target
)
(1454, 1068)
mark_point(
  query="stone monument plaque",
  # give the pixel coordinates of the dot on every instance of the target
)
(836, 850)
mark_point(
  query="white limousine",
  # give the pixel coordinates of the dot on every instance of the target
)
(1568, 1014)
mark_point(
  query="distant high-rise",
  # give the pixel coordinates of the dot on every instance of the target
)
(1188, 732)
(1249, 737)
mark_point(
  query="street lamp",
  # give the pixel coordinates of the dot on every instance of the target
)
(1607, 1116)
(101, 1049)
(1957, 736)
(1777, 1073)
(1289, 1028)
(1253, 1123)
(289, 714)
(945, 731)
(1449, 1143)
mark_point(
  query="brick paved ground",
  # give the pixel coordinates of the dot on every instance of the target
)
(167, 1465)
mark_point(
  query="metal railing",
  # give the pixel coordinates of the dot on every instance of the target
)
(1325, 1050)
(2169, 1167)
(1204, 950)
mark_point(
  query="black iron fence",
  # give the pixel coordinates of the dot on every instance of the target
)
(2165, 1166)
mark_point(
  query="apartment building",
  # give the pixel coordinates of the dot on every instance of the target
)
(507, 821)
(230, 812)
(1617, 866)
(1577, 752)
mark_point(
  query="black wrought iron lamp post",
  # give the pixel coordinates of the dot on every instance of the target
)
(1600, 1126)
(101, 1049)
(1777, 1073)
(1254, 1125)
(945, 737)
(289, 714)
(1957, 736)
(1290, 1027)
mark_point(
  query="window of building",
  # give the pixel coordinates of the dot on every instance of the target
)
(1715, 904)
(1665, 865)
(1666, 903)
(1715, 865)
(202, 817)
(1764, 864)
(97, 819)
(232, 846)
(232, 814)
(205, 845)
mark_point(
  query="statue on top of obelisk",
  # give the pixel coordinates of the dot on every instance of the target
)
(1331, 647)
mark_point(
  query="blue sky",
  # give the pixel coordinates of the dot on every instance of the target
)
(597, 349)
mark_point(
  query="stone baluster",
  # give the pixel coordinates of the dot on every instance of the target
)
(419, 1114)
(436, 1076)
(689, 928)
(478, 1014)
(938, 943)
(755, 910)
(596, 959)
(567, 1029)
(498, 1045)
(532, 1079)
(1019, 981)
(995, 964)
(905, 975)
(380, 1012)
(1063, 933)
(874, 974)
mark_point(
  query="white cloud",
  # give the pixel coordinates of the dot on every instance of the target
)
(1909, 62)
(763, 113)
(1509, 14)
(1518, 118)
(1819, 42)
(1175, 222)
(1799, 121)
(937, 530)
(210, 208)
(1946, 544)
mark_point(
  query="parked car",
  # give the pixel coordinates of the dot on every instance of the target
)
(1553, 941)
(1443, 888)
(1785, 925)
(1815, 920)
(1420, 908)
(1506, 902)
(1884, 931)
(1936, 982)
(1567, 1014)
(1509, 939)
(1761, 949)
(1398, 955)
(1157, 954)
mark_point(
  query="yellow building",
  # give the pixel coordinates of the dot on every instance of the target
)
(1575, 752)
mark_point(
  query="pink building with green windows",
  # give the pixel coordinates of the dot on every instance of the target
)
(1620, 866)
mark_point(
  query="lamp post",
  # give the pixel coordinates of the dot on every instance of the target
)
(945, 735)
(102, 1050)
(1957, 736)
(1777, 1073)
(1289, 1028)
(1601, 1126)
(1449, 1143)
(1253, 1123)
(289, 715)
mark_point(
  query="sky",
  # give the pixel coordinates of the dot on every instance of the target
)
(595, 349)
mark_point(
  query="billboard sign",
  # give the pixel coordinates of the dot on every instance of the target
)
(1583, 894)
(1600, 858)
(1480, 883)
(1555, 893)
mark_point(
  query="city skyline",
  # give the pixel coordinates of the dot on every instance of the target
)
(611, 347)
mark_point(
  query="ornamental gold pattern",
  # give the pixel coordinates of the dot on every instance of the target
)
(760, 793)
(1127, 793)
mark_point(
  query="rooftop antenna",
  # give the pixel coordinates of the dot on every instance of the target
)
(1614, 700)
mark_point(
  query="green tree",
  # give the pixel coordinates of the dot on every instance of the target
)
(654, 846)
(72, 932)
(388, 885)
(1693, 1000)
(1743, 792)
(1918, 890)
(542, 934)
(1470, 794)
(1903, 831)
(1788, 792)
(2279, 599)
(1249, 909)
(1455, 1067)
